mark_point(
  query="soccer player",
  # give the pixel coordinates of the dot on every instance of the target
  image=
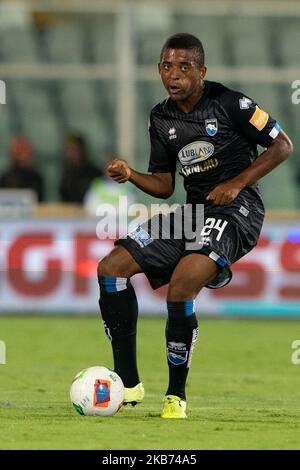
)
(213, 133)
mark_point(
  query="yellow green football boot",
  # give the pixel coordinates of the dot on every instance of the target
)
(134, 395)
(174, 407)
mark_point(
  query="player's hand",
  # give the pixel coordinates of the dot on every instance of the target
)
(224, 193)
(119, 170)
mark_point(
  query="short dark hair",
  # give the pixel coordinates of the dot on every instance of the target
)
(185, 41)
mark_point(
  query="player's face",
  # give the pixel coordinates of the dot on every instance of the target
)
(181, 75)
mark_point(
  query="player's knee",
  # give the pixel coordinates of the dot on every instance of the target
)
(180, 291)
(118, 263)
(110, 266)
(102, 267)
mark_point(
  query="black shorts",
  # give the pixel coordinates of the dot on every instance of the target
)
(229, 232)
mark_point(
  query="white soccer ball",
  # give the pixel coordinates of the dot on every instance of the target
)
(97, 391)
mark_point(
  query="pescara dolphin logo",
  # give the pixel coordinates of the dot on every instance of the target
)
(211, 126)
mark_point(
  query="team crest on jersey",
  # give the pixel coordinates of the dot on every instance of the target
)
(211, 126)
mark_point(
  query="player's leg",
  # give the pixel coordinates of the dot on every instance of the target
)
(192, 273)
(138, 252)
(119, 310)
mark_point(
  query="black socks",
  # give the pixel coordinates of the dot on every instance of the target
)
(181, 335)
(119, 310)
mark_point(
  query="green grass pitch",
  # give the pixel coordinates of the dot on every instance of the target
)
(243, 390)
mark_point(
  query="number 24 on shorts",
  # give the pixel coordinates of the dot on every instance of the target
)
(212, 223)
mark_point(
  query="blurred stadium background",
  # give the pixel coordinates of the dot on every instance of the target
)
(90, 67)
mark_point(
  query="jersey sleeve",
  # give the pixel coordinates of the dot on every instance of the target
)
(251, 120)
(159, 161)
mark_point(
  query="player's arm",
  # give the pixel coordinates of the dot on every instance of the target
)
(158, 184)
(278, 151)
(162, 180)
(260, 128)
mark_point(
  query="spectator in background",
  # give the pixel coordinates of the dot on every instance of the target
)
(78, 172)
(22, 174)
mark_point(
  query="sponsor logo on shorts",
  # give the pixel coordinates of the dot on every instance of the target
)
(244, 211)
(141, 237)
(195, 152)
(211, 126)
(205, 241)
(259, 118)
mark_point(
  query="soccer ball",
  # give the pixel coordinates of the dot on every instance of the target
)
(97, 391)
